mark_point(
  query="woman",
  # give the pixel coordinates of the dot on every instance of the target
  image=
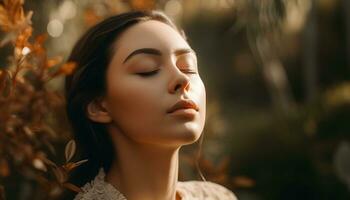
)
(135, 98)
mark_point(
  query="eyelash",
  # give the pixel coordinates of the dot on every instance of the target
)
(151, 73)
(146, 74)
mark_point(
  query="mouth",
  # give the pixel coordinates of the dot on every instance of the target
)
(183, 105)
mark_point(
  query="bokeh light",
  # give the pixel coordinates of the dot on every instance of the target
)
(67, 10)
(55, 28)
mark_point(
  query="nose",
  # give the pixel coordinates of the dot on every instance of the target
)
(179, 83)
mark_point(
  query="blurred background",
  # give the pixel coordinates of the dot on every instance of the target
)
(277, 74)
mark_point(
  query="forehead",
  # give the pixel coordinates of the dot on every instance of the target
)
(149, 34)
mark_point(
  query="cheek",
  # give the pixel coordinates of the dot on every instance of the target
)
(199, 94)
(133, 104)
(202, 103)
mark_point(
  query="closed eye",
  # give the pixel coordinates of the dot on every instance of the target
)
(146, 74)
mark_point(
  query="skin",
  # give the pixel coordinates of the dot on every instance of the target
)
(146, 138)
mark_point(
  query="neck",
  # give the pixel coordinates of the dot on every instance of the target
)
(144, 171)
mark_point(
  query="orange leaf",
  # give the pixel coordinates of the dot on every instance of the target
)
(80, 162)
(142, 4)
(243, 181)
(67, 68)
(28, 131)
(12, 16)
(38, 47)
(60, 174)
(4, 168)
(48, 162)
(90, 17)
(5, 83)
(22, 38)
(5, 22)
(72, 187)
(39, 164)
(70, 166)
(70, 150)
(40, 39)
(53, 61)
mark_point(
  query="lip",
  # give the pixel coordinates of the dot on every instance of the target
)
(183, 104)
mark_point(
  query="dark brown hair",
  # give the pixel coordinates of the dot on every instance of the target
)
(92, 54)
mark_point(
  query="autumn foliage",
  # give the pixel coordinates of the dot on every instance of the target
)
(28, 133)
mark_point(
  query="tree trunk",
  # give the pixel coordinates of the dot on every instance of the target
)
(310, 55)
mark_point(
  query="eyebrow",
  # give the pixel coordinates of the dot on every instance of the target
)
(157, 52)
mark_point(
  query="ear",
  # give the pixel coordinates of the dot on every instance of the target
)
(97, 111)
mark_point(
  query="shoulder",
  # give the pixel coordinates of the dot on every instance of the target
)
(205, 190)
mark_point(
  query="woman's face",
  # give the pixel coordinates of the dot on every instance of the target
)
(152, 69)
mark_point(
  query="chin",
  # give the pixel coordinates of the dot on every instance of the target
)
(173, 136)
(186, 134)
